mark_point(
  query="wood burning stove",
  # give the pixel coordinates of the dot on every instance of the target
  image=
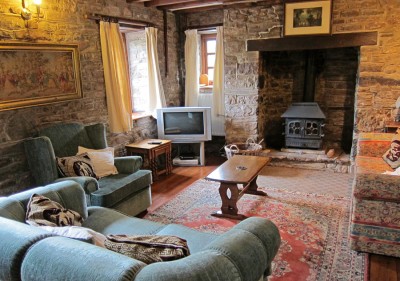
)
(304, 123)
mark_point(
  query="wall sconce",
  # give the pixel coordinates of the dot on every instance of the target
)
(26, 14)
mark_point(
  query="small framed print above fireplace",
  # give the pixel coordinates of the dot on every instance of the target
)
(307, 18)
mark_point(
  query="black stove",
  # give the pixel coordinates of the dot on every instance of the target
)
(304, 123)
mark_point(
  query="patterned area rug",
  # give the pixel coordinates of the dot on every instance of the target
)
(313, 227)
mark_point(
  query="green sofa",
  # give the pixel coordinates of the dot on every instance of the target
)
(245, 252)
(129, 191)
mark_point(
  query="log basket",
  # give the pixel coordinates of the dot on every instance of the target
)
(250, 147)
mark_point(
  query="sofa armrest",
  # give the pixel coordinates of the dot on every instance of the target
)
(245, 252)
(128, 164)
(88, 184)
(64, 259)
(376, 186)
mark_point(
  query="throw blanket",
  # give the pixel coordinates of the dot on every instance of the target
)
(43, 211)
(148, 248)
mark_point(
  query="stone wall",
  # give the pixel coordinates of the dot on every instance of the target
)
(378, 82)
(63, 22)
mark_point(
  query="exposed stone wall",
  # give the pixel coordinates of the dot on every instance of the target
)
(378, 79)
(63, 22)
(242, 67)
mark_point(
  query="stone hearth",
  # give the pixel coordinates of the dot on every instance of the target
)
(309, 159)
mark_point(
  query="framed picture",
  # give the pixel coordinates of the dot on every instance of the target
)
(311, 17)
(37, 74)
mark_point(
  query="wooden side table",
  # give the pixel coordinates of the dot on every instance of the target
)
(152, 148)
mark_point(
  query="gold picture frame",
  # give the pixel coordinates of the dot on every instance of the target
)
(306, 18)
(38, 74)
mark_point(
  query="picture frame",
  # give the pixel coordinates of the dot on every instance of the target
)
(307, 18)
(38, 74)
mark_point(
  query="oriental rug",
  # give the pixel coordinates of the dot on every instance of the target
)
(313, 228)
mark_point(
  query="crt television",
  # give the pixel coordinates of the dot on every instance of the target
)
(184, 124)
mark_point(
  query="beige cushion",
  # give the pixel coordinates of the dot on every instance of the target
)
(82, 150)
(102, 160)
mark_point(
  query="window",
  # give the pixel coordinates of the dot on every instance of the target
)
(208, 49)
(137, 61)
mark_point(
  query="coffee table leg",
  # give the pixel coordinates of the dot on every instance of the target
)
(252, 189)
(229, 203)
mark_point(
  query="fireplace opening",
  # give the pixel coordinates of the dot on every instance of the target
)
(325, 77)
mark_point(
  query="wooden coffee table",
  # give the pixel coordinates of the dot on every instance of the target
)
(240, 169)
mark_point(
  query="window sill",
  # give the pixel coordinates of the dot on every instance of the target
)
(139, 115)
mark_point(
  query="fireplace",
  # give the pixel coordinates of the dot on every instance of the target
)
(326, 77)
(303, 127)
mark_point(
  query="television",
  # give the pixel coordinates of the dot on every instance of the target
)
(184, 124)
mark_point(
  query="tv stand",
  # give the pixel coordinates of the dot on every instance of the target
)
(185, 148)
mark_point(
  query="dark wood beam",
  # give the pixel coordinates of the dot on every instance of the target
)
(312, 42)
(157, 3)
(191, 5)
(198, 9)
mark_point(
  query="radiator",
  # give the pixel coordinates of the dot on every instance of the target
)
(217, 122)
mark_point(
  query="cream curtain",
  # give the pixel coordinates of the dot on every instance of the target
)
(192, 68)
(116, 76)
(156, 90)
(218, 88)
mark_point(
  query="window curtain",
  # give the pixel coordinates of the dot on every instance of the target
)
(218, 88)
(156, 90)
(116, 76)
(192, 67)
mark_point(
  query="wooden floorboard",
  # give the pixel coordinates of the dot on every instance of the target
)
(382, 268)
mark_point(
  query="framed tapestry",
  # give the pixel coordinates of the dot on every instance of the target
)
(311, 17)
(37, 74)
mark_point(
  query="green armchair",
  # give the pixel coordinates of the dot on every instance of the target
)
(129, 191)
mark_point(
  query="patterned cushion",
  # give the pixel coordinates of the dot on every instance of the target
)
(392, 155)
(73, 166)
(43, 211)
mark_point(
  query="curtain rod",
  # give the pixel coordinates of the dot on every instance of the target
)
(204, 27)
(125, 21)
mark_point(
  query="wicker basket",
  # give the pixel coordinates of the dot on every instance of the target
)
(250, 147)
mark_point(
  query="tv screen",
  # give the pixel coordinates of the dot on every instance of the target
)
(183, 123)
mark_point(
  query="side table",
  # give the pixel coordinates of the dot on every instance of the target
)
(152, 148)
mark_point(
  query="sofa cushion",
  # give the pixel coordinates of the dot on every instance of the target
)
(392, 155)
(73, 166)
(43, 211)
(115, 188)
(109, 221)
(102, 159)
(103, 163)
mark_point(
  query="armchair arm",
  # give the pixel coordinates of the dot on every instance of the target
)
(88, 184)
(63, 259)
(128, 164)
(375, 186)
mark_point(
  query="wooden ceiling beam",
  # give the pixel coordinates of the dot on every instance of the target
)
(191, 5)
(312, 42)
(158, 3)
